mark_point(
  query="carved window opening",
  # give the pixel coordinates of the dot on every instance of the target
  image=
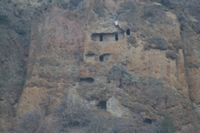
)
(116, 37)
(104, 57)
(128, 32)
(102, 104)
(87, 80)
(147, 120)
(101, 37)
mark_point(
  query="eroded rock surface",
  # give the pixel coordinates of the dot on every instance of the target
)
(136, 72)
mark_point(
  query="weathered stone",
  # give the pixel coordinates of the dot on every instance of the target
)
(171, 54)
(157, 43)
(115, 108)
(143, 67)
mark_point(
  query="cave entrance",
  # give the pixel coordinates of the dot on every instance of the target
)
(104, 57)
(128, 31)
(102, 104)
(147, 120)
(87, 80)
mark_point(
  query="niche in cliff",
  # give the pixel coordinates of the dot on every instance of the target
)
(104, 57)
(90, 56)
(148, 121)
(87, 80)
(128, 32)
(107, 37)
(102, 104)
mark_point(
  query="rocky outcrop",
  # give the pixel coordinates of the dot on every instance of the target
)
(144, 70)
(114, 107)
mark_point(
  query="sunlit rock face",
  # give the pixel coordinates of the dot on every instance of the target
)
(135, 61)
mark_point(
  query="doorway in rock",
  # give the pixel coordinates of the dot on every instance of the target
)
(102, 104)
(101, 37)
(128, 32)
(116, 37)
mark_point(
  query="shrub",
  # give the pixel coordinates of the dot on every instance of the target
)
(119, 73)
(167, 125)
(99, 125)
(157, 42)
(20, 31)
(72, 114)
(147, 14)
(166, 3)
(4, 19)
(75, 2)
(131, 40)
(29, 122)
(171, 54)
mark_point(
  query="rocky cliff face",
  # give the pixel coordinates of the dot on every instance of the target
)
(79, 71)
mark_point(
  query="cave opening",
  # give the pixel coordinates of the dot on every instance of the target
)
(147, 120)
(107, 37)
(104, 57)
(116, 37)
(102, 104)
(87, 80)
(101, 58)
(128, 31)
(101, 37)
(90, 54)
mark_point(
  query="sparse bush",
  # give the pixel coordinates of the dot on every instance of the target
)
(47, 101)
(75, 2)
(4, 19)
(20, 31)
(147, 14)
(165, 3)
(72, 114)
(99, 125)
(120, 74)
(29, 122)
(131, 40)
(167, 125)
(171, 54)
(157, 42)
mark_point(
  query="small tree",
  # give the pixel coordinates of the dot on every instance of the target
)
(167, 125)
(72, 114)
(29, 122)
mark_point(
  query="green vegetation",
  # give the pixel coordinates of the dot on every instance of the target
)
(4, 19)
(167, 125)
